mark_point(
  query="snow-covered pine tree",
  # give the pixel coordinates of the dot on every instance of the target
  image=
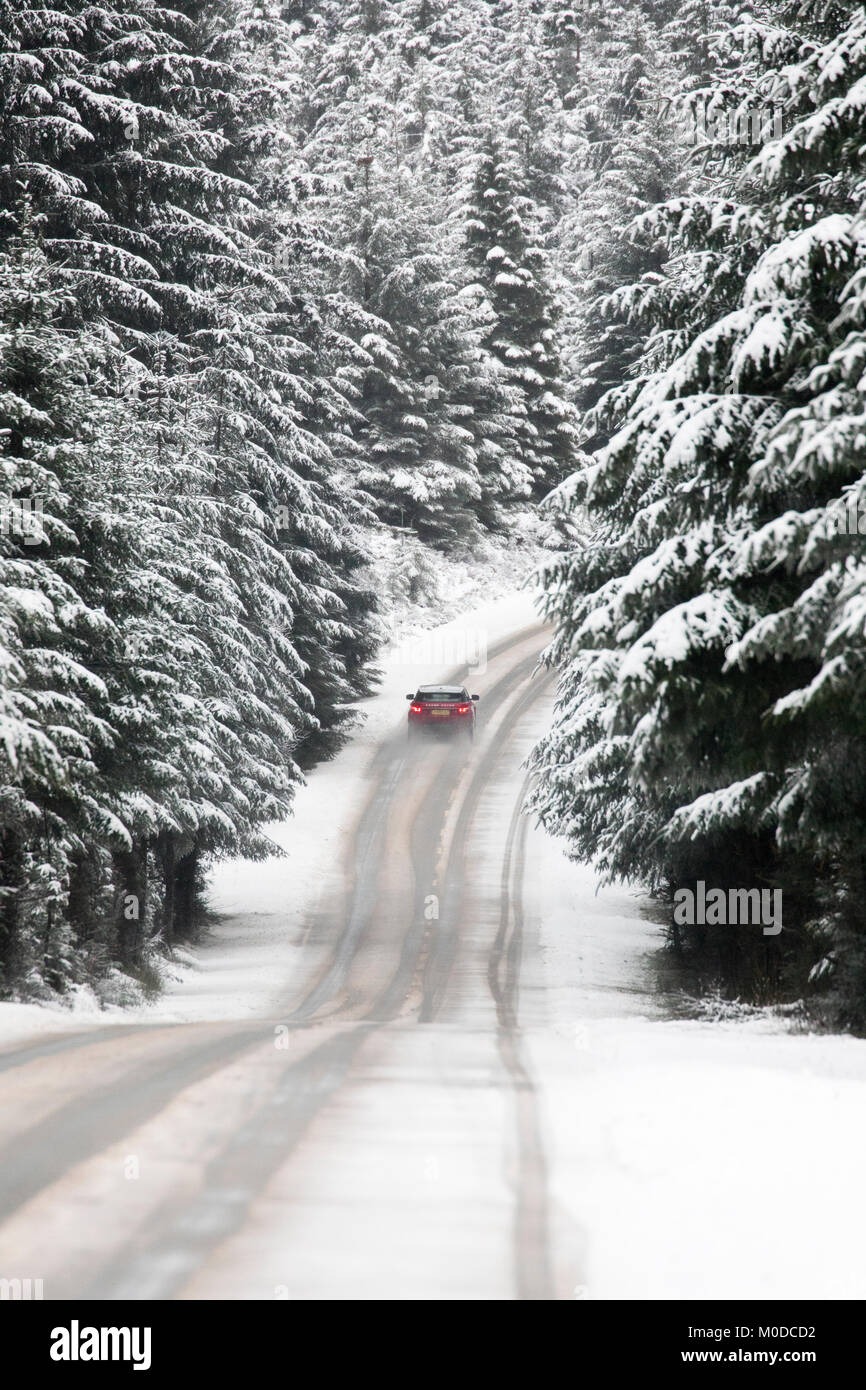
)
(213, 528)
(504, 246)
(56, 807)
(804, 559)
(279, 520)
(312, 361)
(625, 158)
(439, 420)
(703, 630)
(524, 103)
(435, 442)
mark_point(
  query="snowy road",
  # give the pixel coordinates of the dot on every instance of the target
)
(429, 1062)
(257, 1159)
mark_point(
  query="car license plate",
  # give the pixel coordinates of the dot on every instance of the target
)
(440, 713)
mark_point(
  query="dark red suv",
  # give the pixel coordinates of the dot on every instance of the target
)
(449, 707)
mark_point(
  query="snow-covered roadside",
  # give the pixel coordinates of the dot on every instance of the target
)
(681, 1152)
(419, 588)
(246, 964)
(677, 1150)
(263, 909)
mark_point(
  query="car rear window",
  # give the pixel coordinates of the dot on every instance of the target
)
(438, 695)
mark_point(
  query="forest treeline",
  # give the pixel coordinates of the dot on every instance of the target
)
(256, 300)
(274, 276)
(711, 621)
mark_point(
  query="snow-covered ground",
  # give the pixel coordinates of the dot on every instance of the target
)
(419, 589)
(685, 1158)
(689, 1159)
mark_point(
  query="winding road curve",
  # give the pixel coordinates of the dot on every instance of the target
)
(383, 1138)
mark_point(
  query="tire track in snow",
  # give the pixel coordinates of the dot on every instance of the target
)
(423, 937)
(63, 1042)
(87, 1124)
(180, 1236)
(533, 1272)
(178, 1239)
(441, 957)
(371, 857)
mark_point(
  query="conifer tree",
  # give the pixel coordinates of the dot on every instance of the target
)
(505, 251)
(708, 628)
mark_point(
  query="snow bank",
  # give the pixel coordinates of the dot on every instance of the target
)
(686, 1159)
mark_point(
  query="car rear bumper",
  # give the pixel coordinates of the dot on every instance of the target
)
(451, 721)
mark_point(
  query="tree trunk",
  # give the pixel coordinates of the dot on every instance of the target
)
(131, 869)
(167, 852)
(186, 883)
(11, 880)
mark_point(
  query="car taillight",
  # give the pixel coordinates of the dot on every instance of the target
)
(414, 709)
(463, 709)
